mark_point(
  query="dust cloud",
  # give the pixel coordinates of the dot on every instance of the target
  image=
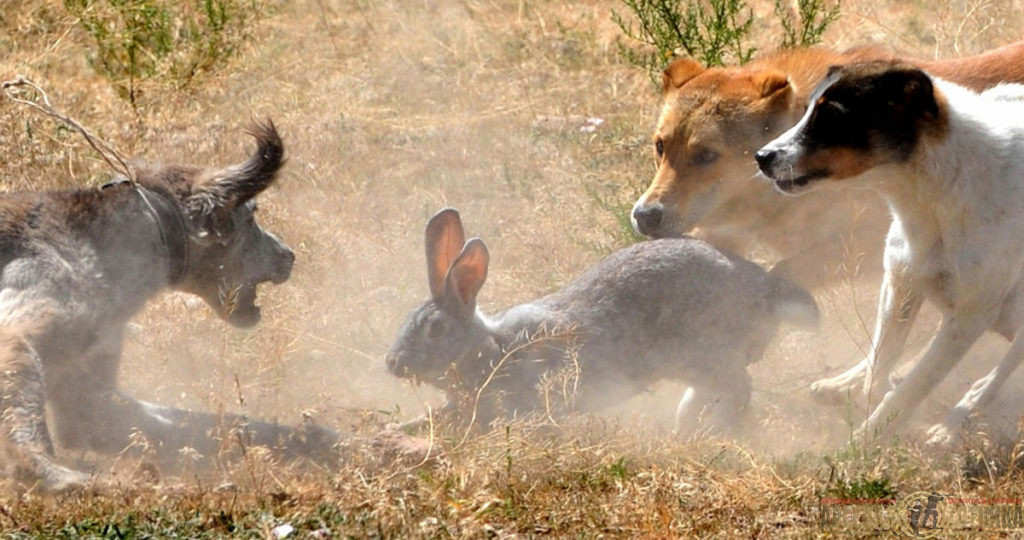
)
(390, 111)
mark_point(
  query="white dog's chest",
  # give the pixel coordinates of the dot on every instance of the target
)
(938, 274)
(966, 278)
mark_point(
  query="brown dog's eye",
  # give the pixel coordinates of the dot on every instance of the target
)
(659, 147)
(705, 157)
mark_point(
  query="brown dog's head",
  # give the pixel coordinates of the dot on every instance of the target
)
(711, 122)
(861, 116)
(228, 254)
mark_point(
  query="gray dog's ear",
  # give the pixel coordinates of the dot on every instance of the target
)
(466, 277)
(444, 240)
(215, 194)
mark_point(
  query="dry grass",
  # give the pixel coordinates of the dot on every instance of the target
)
(585, 477)
(391, 110)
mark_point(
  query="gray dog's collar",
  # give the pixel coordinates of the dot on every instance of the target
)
(175, 245)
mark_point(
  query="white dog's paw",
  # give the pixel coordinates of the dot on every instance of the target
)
(832, 393)
(859, 435)
(870, 433)
(940, 437)
(944, 435)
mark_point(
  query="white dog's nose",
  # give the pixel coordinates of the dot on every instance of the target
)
(766, 158)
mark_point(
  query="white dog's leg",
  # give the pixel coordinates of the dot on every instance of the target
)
(898, 305)
(956, 335)
(980, 395)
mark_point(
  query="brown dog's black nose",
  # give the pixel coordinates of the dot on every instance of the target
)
(765, 159)
(648, 218)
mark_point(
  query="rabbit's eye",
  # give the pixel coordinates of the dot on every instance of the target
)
(435, 327)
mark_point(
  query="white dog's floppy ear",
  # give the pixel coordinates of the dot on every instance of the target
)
(444, 240)
(467, 276)
(215, 194)
(917, 91)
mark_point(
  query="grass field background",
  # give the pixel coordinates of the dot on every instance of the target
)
(389, 111)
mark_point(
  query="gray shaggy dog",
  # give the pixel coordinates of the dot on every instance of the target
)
(76, 265)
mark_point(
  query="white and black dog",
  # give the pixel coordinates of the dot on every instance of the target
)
(949, 163)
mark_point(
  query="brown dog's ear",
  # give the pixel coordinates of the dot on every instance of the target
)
(770, 83)
(444, 240)
(467, 276)
(679, 72)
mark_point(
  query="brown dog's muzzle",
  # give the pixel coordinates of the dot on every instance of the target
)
(647, 218)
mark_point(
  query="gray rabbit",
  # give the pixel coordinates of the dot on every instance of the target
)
(662, 309)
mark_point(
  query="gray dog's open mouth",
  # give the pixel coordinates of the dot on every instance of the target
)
(280, 277)
(240, 306)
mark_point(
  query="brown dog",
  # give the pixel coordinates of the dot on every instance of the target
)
(712, 122)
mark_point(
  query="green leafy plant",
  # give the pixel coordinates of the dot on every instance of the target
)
(715, 32)
(861, 487)
(813, 18)
(139, 40)
(620, 207)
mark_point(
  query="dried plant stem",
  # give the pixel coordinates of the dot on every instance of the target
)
(109, 154)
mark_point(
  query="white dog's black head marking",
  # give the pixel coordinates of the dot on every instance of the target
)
(861, 116)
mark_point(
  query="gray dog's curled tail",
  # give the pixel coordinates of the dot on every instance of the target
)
(224, 189)
(257, 171)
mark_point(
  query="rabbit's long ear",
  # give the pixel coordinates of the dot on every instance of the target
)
(445, 239)
(466, 276)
